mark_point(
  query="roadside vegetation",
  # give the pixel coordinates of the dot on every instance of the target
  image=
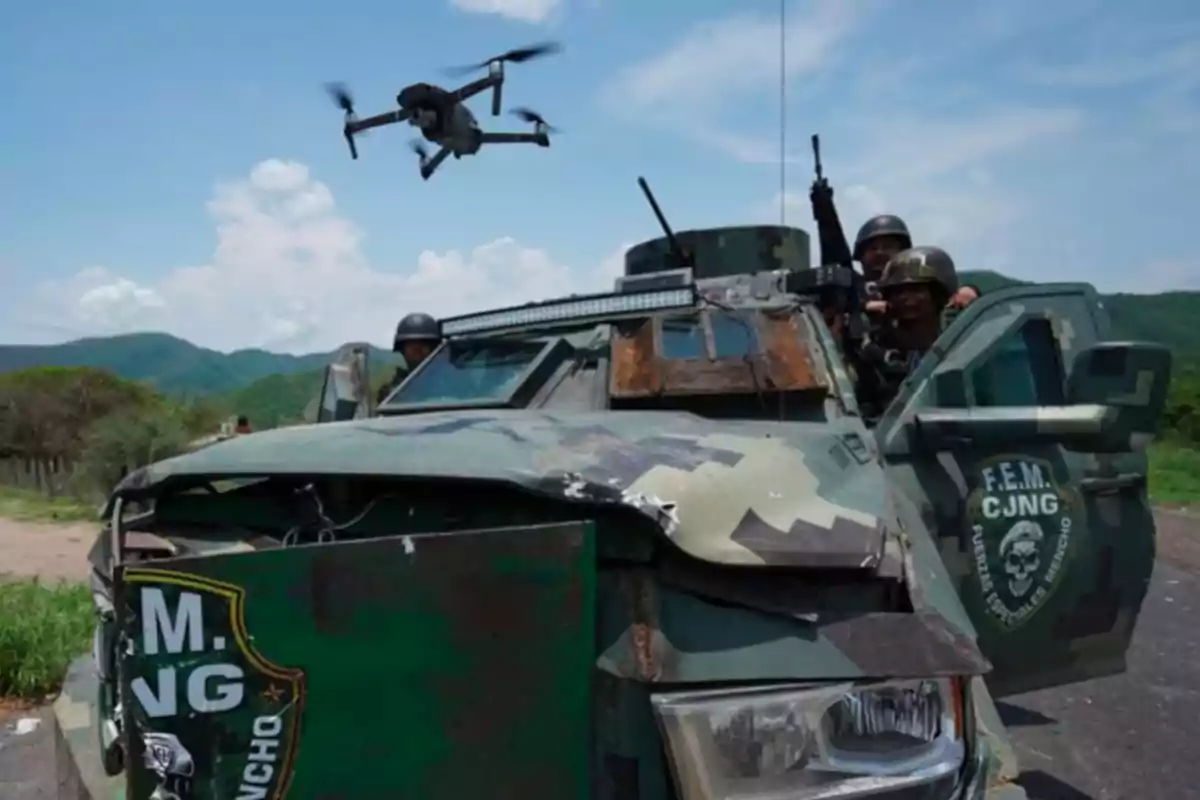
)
(31, 505)
(42, 629)
(67, 435)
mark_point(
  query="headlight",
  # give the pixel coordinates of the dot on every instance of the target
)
(808, 743)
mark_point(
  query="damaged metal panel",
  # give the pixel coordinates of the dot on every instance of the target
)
(635, 368)
(245, 671)
(782, 362)
(653, 634)
(730, 492)
(785, 347)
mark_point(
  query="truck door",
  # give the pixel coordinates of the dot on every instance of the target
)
(1051, 549)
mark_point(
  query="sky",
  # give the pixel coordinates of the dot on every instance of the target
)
(181, 169)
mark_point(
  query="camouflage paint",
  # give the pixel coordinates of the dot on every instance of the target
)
(482, 640)
(680, 472)
(726, 251)
(805, 497)
(1087, 550)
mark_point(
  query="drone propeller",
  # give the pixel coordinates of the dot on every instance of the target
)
(419, 149)
(343, 100)
(534, 118)
(341, 97)
(517, 56)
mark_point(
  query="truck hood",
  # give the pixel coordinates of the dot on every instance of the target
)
(727, 492)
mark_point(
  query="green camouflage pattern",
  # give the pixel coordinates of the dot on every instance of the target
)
(1012, 527)
(921, 265)
(1044, 522)
(728, 251)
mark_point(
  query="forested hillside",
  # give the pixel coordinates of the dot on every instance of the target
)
(170, 364)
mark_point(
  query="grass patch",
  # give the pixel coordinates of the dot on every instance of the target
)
(1174, 473)
(31, 505)
(42, 629)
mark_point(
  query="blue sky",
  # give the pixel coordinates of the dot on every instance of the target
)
(180, 168)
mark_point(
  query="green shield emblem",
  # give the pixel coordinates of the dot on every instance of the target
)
(206, 713)
(1021, 535)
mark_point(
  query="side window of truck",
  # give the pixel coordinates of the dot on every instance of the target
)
(1024, 370)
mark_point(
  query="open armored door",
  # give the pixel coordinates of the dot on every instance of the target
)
(1049, 539)
(441, 666)
(345, 388)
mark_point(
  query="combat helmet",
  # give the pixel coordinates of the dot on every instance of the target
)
(881, 225)
(931, 265)
(417, 327)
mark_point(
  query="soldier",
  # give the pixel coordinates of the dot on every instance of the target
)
(417, 336)
(880, 238)
(917, 285)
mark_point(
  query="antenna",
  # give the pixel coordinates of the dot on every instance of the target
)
(782, 113)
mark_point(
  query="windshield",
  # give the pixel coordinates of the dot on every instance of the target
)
(470, 371)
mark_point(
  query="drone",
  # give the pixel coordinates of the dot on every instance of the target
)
(443, 118)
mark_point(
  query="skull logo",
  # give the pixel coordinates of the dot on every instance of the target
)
(1021, 550)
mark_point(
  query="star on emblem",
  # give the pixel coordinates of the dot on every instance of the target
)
(273, 693)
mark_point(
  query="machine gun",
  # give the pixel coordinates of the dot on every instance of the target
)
(835, 251)
(834, 248)
(679, 255)
(849, 292)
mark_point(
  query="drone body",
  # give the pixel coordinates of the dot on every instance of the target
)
(443, 118)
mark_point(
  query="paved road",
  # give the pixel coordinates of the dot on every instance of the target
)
(1130, 737)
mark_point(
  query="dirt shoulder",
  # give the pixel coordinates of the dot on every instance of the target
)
(49, 551)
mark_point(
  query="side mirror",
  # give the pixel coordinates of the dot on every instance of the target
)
(1130, 378)
(346, 389)
(1115, 397)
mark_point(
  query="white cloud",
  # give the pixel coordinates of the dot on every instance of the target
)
(715, 60)
(288, 274)
(936, 173)
(115, 303)
(533, 11)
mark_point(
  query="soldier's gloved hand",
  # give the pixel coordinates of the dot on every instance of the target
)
(876, 307)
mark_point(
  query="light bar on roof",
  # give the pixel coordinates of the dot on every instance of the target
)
(663, 279)
(580, 308)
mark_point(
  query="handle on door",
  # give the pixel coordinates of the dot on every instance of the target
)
(1115, 483)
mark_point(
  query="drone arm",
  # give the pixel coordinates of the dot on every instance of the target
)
(475, 87)
(377, 121)
(430, 166)
(515, 138)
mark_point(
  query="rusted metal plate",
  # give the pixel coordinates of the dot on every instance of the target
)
(785, 348)
(635, 370)
(784, 364)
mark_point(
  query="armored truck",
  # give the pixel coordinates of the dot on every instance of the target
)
(637, 544)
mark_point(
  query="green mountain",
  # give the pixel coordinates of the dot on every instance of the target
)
(175, 366)
(171, 364)
(1168, 318)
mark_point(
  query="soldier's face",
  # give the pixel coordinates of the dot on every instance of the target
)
(415, 352)
(877, 252)
(911, 302)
